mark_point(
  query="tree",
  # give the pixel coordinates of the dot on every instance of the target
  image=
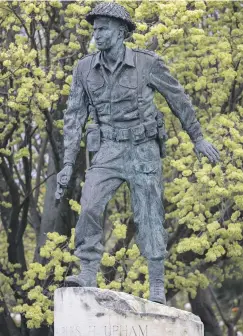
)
(201, 41)
(40, 43)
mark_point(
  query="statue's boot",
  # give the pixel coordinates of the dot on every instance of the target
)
(156, 281)
(87, 276)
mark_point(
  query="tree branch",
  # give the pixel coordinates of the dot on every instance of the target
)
(218, 306)
(21, 205)
(39, 167)
(49, 129)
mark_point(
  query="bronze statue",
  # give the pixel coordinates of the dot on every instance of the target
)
(116, 86)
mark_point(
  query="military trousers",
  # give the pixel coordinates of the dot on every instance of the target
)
(140, 166)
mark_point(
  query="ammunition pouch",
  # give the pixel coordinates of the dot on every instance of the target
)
(151, 129)
(138, 133)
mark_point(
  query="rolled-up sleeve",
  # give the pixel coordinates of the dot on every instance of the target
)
(74, 118)
(162, 81)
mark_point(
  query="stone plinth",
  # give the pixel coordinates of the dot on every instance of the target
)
(96, 312)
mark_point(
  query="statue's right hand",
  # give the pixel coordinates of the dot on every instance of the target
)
(63, 178)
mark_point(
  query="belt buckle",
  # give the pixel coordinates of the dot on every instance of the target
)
(123, 134)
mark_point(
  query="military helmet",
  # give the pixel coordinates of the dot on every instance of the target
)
(112, 10)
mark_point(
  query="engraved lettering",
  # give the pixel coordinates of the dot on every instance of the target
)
(143, 332)
(68, 331)
(108, 333)
(123, 330)
(133, 332)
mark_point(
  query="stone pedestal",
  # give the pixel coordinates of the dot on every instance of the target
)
(96, 312)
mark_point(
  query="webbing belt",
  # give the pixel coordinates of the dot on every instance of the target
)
(136, 134)
(116, 134)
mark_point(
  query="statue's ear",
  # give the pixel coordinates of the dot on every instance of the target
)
(122, 31)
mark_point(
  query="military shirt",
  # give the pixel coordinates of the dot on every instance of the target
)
(119, 96)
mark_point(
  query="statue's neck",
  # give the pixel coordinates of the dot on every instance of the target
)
(114, 56)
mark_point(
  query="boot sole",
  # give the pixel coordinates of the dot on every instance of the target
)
(71, 284)
(163, 302)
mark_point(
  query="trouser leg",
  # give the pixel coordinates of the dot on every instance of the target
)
(101, 181)
(146, 193)
(100, 185)
(151, 236)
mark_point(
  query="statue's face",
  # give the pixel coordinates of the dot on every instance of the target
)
(107, 32)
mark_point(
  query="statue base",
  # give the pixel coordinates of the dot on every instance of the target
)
(100, 312)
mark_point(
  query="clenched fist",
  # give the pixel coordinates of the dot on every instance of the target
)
(63, 178)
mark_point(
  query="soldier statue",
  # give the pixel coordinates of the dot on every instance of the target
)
(115, 86)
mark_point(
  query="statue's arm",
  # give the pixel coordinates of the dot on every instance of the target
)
(178, 101)
(74, 118)
(180, 104)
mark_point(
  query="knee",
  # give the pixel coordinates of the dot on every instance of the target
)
(91, 210)
(88, 211)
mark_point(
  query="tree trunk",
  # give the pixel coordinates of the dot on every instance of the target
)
(7, 325)
(60, 217)
(3, 326)
(231, 331)
(55, 217)
(202, 306)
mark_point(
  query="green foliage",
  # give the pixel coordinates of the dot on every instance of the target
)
(201, 42)
(205, 200)
(39, 282)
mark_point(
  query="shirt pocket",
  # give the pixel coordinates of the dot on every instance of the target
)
(128, 79)
(96, 87)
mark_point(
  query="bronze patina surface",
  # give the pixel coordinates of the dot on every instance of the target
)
(116, 86)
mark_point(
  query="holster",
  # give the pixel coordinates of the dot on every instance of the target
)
(162, 135)
(93, 137)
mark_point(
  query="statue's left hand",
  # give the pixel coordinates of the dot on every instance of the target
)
(207, 149)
